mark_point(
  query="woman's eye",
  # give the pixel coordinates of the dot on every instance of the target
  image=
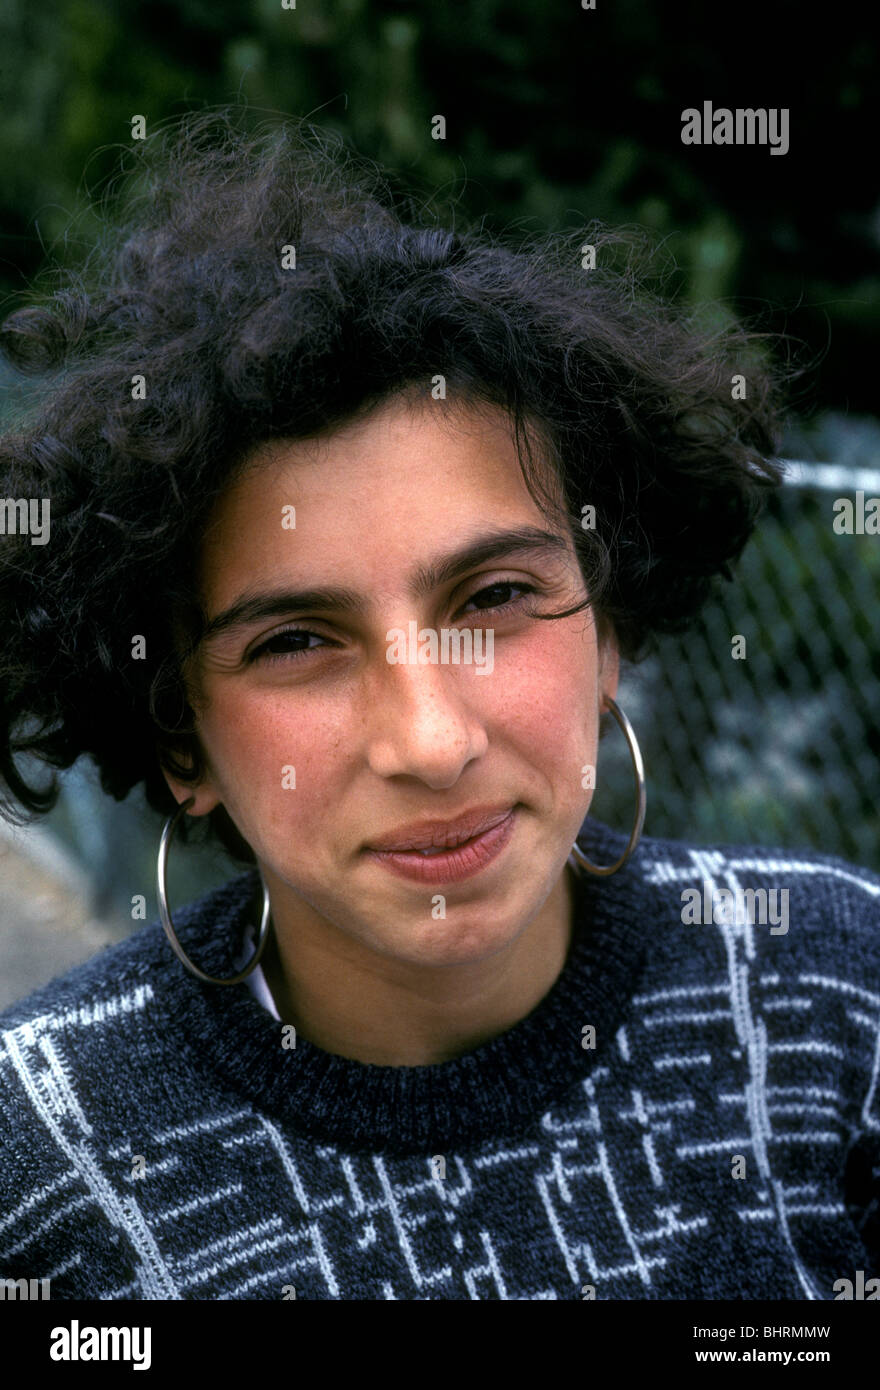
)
(494, 594)
(292, 642)
(283, 645)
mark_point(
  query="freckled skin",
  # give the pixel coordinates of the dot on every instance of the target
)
(358, 961)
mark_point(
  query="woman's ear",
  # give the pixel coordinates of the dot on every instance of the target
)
(206, 796)
(609, 668)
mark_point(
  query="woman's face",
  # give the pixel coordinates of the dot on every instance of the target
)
(318, 745)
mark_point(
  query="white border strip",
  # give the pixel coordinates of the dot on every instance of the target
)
(831, 477)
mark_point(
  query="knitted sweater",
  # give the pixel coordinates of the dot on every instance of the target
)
(717, 1137)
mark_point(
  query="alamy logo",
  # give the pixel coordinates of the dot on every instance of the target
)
(26, 516)
(75, 1343)
(744, 126)
(744, 907)
(859, 518)
(427, 647)
(849, 1289)
(24, 1288)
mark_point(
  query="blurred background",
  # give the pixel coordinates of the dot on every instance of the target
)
(555, 115)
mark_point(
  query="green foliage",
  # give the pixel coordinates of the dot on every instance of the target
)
(555, 116)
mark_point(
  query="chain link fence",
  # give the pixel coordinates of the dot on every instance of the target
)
(773, 739)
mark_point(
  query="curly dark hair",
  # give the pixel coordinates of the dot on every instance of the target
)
(629, 396)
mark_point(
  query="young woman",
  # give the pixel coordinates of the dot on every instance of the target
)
(352, 521)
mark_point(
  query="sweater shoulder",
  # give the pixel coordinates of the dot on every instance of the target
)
(823, 906)
(804, 864)
(800, 870)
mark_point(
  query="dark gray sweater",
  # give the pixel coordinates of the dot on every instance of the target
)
(720, 1140)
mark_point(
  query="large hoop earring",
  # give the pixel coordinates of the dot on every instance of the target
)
(577, 858)
(167, 835)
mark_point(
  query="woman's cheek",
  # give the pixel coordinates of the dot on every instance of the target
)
(269, 759)
(545, 694)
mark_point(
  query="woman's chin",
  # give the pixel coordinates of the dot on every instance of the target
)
(459, 939)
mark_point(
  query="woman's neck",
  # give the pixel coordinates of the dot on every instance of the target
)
(378, 1009)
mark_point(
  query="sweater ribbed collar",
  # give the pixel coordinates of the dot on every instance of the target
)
(491, 1092)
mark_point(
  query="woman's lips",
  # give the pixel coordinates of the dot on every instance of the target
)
(449, 865)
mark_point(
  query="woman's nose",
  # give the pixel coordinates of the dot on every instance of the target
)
(424, 722)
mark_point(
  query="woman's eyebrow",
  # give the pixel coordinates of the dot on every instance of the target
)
(252, 607)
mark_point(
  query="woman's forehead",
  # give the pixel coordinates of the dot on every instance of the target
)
(396, 484)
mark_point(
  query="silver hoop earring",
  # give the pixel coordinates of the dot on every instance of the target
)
(577, 858)
(167, 834)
